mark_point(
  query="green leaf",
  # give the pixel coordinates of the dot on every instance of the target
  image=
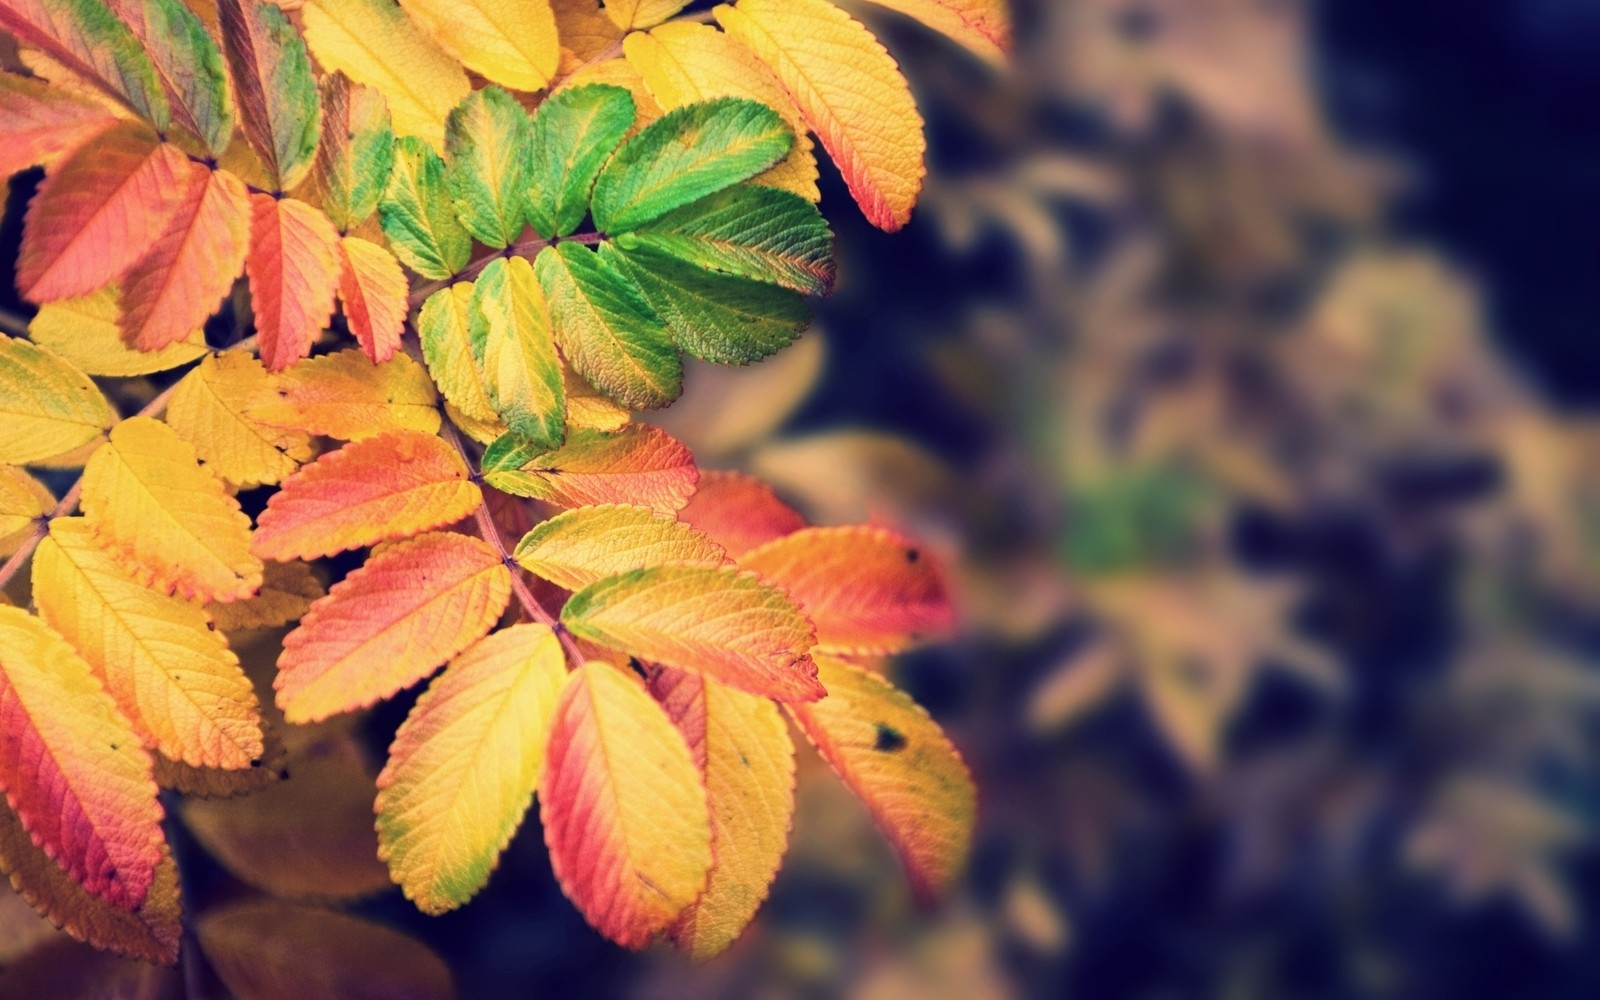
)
(444, 325)
(190, 66)
(417, 215)
(357, 151)
(277, 92)
(86, 38)
(606, 329)
(573, 133)
(720, 318)
(486, 156)
(514, 353)
(752, 231)
(697, 150)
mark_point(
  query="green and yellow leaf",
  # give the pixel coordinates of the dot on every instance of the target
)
(418, 213)
(514, 354)
(583, 546)
(573, 133)
(47, 407)
(637, 464)
(207, 410)
(487, 165)
(357, 152)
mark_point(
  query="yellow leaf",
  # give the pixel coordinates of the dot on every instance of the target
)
(584, 28)
(512, 42)
(23, 500)
(742, 748)
(623, 806)
(619, 73)
(588, 406)
(167, 670)
(629, 14)
(345, 396)
(287, 590)
(87, 332)
(850, 92)
(373, 42)
(47, 407)
(683, 63)
(207, 410)
(898, 762)
(587, 544)
(165, 519)
(464, 766)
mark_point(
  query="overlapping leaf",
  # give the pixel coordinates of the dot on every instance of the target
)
(637, 464)
(294, 266)
(344, 395)
(207, 410)
(86, 38)
(486, 155)
(739, 512)
(188, 63)
(357, 151)
(514, 354)
(573, 133)
(278, 106)
(583, 546)
(41, 122)
(47, 407)
(22, 501)
(86, 332)
(418, 214)
(444, 326)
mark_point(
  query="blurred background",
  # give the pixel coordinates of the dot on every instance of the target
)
(1240, 360)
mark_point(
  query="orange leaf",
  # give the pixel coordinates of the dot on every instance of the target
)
(638, 464)
(98, 212)
(390, 623)
(344, 395)
(739, 512)
(367, 492)
(373, 291)
(171, 292)
(743, 750)
(897, 761)
(623, 806)
(72, 766)
(294, 273)
(41, 122)
(869, 591)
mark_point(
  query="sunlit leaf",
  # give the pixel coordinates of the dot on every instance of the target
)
(637, 464)
(583, 546)
(47, 406)
(512, 42)
(87, 332)
(573, 133)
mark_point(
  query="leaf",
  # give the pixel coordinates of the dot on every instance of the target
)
(150, 931)
(739, 512)
(47, 407)
(170, 293)
(86, 332)
(294, 273)
(443, 326)
(306, 836)
(683, 63)
(573, 133)
(88, 40)
(98, 212)
(160, 661)
(373, 42)
(983, 27)
(870, 591)
(588, 406)
(849, 91)
(207, 410)
(637, 464)
(72, 767)
(373, 292)
(628, 14)
(749, 231)
(582, 546)
(418, 216)
(391, 486)
(189, 65)
(623, 807)
(898, 762)
(615, 72)
(278, 107)
(719, 318)
(390, 623)
(514, 355)
(486, 165)
(719, 621)
(689, 153)
(267, 950)
(606, 329)
(287, 591)
(63, 969)
(344, 395)
(165, 519)
(463, 768)
(23, 500)
(41, 122)
(357, 151)
(512, 42)
(742, 748)
(583, 28)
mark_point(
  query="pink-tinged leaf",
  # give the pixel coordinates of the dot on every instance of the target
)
(85, 38)
(178, 285)
(72, 767)
(277, 91)
(870, 591)
(39, 122)
(373, 291)
(294, 274)
(739, 512)
(638, 464)
(99, 211)
(189, 64)
(624, 809)
(900, 764)
(371, 491)
(390, 623)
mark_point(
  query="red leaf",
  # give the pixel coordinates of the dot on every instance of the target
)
(294, 273)
(373, 291)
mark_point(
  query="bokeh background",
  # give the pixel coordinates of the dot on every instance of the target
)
(1240, 360)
